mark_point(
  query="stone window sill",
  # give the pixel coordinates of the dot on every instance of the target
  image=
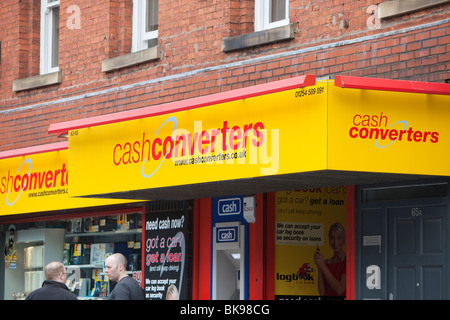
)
(258, 38)
(130, 59)
(394, 8)
(37, 81)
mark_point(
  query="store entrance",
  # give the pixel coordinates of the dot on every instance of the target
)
(417, 265)
(403, 241)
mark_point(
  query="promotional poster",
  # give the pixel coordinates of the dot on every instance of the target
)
(165, 256)
(302, 222)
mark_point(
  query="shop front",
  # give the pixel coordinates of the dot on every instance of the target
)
(257, 177)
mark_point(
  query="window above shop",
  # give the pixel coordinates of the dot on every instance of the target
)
(270, 14)
(48, 38)
(145, 24)
(144, 39)
(271, 24)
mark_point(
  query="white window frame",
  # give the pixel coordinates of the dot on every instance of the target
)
(140, 37)
(262, 16)
(46, 46)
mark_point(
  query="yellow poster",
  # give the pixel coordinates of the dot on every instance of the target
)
(302, 222)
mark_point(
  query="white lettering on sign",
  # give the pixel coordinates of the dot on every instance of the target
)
(229, 206)
(227, 235)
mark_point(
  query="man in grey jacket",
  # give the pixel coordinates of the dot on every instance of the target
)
(126, 288)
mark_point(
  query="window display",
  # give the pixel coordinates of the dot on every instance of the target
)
(87, 244)
(82, 244)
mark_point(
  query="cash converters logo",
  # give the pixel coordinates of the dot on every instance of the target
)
(229, 144)
(25, 179)
(384, 132)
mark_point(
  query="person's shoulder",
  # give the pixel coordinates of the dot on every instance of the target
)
(72, 296)
(69, 294)
(129, 279)
(31, 295)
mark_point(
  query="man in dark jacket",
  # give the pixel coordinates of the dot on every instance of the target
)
(53, 287)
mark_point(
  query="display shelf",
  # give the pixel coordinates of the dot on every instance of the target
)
(95, 266)
(104, 233)
(86, 266)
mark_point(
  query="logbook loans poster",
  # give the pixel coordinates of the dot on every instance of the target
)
(165, 256)
(302, 222)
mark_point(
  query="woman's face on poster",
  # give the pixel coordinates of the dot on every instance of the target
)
(337, 241)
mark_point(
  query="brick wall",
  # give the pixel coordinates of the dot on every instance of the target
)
(332, 37)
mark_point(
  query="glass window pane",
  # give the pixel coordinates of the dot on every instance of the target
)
(152, 15)
(152, 42)
(277, 10)
(55, 37)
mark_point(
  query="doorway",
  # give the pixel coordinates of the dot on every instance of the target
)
(417, 268)
(403, 242)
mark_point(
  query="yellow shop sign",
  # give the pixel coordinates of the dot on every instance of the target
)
(233, 140)
(348, 125)
(386, 131)
(39, 182)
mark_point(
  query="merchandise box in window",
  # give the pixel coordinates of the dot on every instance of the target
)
(100, 251)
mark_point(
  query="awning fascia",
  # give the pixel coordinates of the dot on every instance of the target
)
(392, 85)
(182, 105)
(34, 150)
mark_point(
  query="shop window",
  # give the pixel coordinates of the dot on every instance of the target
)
(156, 236)
(82, 244)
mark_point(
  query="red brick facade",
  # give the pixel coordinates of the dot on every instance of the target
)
(331, 37)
